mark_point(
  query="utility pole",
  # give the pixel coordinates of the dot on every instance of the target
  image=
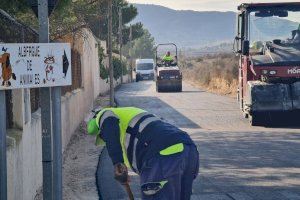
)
(99, 20)
(51, 124)
(109, 40)
(121, 39)
(3, 162)
(130, 52)
(57, 143)
(45, 97)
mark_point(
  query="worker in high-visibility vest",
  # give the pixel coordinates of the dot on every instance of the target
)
(164, 156)
(168, 58)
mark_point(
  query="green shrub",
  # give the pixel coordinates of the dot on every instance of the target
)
(104, 72)
(118, 66)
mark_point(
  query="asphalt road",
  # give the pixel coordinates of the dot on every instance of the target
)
(237, 161)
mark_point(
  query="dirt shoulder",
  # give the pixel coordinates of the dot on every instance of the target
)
(218, 88)
(80, 163)
(214, 73)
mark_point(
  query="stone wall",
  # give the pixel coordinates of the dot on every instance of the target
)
(24, 150)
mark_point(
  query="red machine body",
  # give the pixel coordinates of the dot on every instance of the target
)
(269, 65)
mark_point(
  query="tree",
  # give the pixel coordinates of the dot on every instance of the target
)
(99, 24)
(72, 15)
(144, 47)
(13, 7)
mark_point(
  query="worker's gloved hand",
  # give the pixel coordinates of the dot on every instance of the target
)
(121, 173)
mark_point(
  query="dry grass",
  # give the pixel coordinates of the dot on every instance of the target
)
(216, 73)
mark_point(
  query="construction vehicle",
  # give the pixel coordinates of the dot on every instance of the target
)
(268, 44)
(168, 76)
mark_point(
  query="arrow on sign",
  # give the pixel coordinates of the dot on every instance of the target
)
(65, 64)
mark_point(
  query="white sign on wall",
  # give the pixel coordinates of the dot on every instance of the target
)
(35, 65)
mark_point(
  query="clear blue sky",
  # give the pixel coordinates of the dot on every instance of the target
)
(203, 5)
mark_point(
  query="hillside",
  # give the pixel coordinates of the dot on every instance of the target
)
(192, 29)
(187, 28)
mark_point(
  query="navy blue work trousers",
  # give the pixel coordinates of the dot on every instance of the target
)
(179, 170)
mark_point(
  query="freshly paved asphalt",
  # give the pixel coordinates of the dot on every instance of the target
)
(237, 161)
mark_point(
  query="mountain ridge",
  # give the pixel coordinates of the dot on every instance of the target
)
(198, 29)
(186, 27)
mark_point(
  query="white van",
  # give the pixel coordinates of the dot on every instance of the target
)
(144, 69)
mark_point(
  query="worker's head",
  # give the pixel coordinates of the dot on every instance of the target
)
(93, 128)
(168, 53)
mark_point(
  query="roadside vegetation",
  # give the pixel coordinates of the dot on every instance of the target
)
(216, 73)
(143, 47)
(72, 16)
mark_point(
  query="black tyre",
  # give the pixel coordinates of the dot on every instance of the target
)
(254, 120)
(258, 119)
(179, 88)
(158, 88)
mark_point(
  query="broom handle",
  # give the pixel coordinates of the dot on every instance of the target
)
(129, 192)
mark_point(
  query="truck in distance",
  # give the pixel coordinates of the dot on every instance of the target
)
(144, 69)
